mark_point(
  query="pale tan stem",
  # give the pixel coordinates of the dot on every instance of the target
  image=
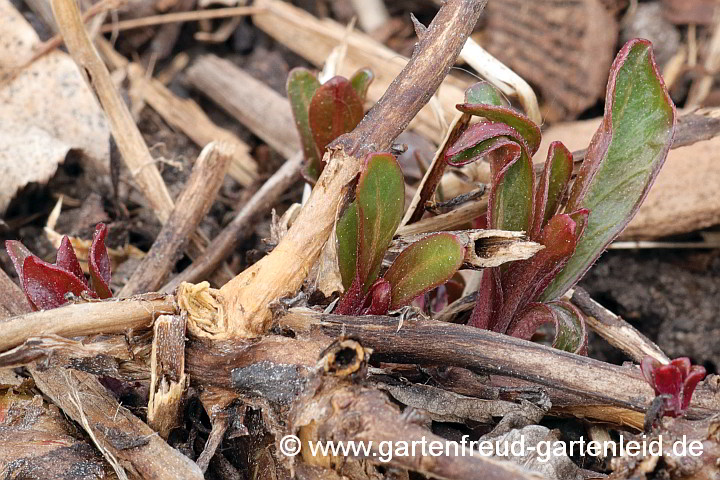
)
(245, 299)
(129, 139)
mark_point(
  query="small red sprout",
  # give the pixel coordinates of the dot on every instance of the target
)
(47, 285)
(676, 381)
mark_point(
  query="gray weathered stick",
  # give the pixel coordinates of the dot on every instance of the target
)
(190, 208)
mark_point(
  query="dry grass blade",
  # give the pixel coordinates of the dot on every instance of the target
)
(177, 17)
(127, 136)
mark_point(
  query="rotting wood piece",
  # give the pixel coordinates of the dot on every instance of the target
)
(565, 48)
(167, 374)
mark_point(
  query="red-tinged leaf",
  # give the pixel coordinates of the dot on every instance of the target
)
(683, 364)
(485, 93)
(695, 376)
(489, 300)
(380, 198)
(647, 366)
(361, 81)
(335, 109)
(570, 330)
(523, 281)
(17, 253)
(423, 266)
(99, 262)
(530, 319)
(380, 295)
(67, 260)
(301, 86)
(484, 100)
(46, 285)
(623, 158)
(669, 381)
(552, 186)
(580, 217)
(346, 234)
(352, 301)
(511, 196)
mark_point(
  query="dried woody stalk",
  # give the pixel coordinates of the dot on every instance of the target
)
(241, 307)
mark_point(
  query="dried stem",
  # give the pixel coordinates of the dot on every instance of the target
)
(191, 206)
(245, 299)
(91, 318)
(167, 374)
(239, 228)
(615, 330)
(129, 139)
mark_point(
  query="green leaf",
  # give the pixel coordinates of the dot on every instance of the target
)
(623, 159)
(361, 81)
(301, 86)
(484, 100)
(552, 186)
(570, 331)
(335, 109)
(346, 234)
(485, 93)
(380, 197)
(423, 266)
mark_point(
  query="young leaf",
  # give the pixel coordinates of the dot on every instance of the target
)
(380, 295)
(67, 260)
(346, 235)
(552, 186)
(623, 159)
(489, 300)
(380, 197)
(335, 109)
(530, 319)
(301, 86)
(484, 100)
(511, 197)
(46, 285)
(423, 266)
(17, 253)
(570, 331)
(485, 93)
(361, 81)
(99, 262)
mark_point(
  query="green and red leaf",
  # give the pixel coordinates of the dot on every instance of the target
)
(424, 265)
(335, 109)
(361, 81)
(569, 322)
(99, 262)
(552, 186)
(484, 100)
(301, 86)
(379, 297)
(346, 234)
(380, 198)
(623, 158)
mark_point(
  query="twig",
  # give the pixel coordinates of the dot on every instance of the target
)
(167, 374)
(191, 206)
(244, 301)
(314, 39)
(129, 139)
(239, 228)
(184, 114)
(220, 425)
(111, 316)
(137, 447)
(615, 330)
(447, 221)
(177, 17)
(255, 105)
(489, 352)
(14, 300)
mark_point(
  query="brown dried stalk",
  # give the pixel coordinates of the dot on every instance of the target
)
(129, 139)
(191, 206)
(240, 308)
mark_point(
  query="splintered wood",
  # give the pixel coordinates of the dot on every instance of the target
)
(565, 48)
